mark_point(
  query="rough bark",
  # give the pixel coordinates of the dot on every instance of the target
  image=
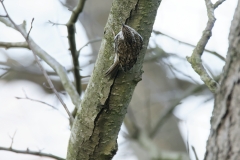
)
(97, 123)
(224, 140)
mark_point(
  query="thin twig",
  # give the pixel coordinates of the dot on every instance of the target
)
(53, 23)
(89, 42)
(195, 59)
(23, 69)
(30, 29)
(27, 151)
(195, 153)
(35, 100)
(218, 3)
(54, 90)
(209, 51)
(31, 153)
(159, 53)
(26, 97)
(12, 138)
(72, 42)
(179, 71)
(43, 70)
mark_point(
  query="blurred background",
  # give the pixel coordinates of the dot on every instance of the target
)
(171, 108)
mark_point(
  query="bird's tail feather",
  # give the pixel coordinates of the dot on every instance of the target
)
(112, 71)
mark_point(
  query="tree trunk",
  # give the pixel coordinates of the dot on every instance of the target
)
(224, 139)
(98, 120)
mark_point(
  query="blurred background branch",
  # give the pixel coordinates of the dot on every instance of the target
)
(72, 43)
(188, 44)
(39, 63)
(59, 69)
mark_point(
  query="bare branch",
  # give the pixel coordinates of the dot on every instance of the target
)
(59, 69)
(179, 71)
(54, 90)
(195, 153)
(188, 44)
(35, 100)
(19, 68)
(159, 53)
(27, 151)
(195, 59)
(89, 42)
(218, 3)
(12, 138)
(72, 43)
(8, 45)
(31, 153)
(53, 23)
(41, 67)
(30, 29)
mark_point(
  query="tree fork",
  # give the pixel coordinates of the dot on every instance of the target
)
(98, 120)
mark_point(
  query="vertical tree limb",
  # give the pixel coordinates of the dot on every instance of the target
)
(97, 123)
(224, 139)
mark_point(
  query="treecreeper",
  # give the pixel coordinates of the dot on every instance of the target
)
(128, 44)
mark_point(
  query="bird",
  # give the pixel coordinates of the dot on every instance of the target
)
(128, 44)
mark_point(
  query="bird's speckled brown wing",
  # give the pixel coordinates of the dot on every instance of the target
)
(128, 53)
(124, 51)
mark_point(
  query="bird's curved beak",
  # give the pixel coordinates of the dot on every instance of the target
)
(123, 24)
